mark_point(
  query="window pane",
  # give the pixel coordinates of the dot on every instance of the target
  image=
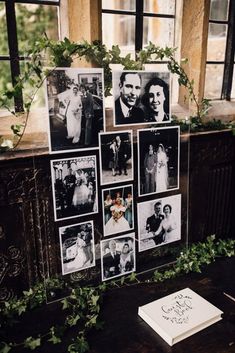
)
(160, 6)
(5, 75)
(216, 42)
(233, 84)
(219, 10)
(3, 31)
(160, 31)
(39, 99)
(127, 5)
(33, 21)
(213, 81)
(119, 30)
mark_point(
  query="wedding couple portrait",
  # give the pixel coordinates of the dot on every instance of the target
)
(141, 97)
(74, 184)
(158, 160)
(118, 256)
(77, 247)
(118, 213)
(116, 157)
(159, 222)
(75, 108)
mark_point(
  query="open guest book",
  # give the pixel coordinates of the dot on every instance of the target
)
(179, 315)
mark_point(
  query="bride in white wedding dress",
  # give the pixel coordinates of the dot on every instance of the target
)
(81, 191)
(162, 169)
(117, 223)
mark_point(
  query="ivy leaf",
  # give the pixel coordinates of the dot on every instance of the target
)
(4, 347)
(72, 320)
(32, 343)
(132, 277)
(54, 339)
(95, 299)
(65, 304)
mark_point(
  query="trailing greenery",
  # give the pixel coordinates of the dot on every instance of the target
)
(82, 307)
(47, 52)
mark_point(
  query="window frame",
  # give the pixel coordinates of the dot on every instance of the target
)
(13, 56)
(228, 61)
(139, 15)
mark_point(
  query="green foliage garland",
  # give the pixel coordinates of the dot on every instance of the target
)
(46, 52)
(82, 306)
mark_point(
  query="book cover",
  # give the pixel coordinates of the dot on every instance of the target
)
(179, 315)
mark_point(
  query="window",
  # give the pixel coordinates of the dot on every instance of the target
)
(220, 51)
(131, 24)
(21, 23)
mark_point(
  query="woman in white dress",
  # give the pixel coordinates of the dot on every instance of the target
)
(126, 259)
(81, 191)
(74, 115)
(80, 258)
(162, 169)
(117, 223)
(168, 225)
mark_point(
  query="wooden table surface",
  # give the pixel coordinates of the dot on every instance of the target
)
(125, 332)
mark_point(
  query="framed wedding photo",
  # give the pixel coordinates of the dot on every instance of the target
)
(118, 209)
(158, 159)
(75, 105)
(77, 247)
(159, 222)
(141, 97)
(116, 157)
(118, 256)
(74, 187)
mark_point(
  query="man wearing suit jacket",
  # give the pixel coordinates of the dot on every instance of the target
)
(111, 261)
(126, 110)
(153, 224)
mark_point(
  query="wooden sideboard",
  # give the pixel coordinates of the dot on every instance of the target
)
(29, 238)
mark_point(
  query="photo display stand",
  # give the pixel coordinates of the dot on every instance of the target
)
(112, 193)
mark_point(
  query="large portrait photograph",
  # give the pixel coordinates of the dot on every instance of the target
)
(158, 160)
(118, 213)
(75, 105)
(141, 97)
(159, 222)
(74, 187)
(77, 247)
(116, 157)
(118, 256)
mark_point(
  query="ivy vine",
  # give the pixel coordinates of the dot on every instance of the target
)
(54, 54)
(82, 307)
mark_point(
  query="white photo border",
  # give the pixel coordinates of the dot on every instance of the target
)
(132, 157)
(53, 188)
(178, 198)
(115, 72)
(61, 246)
(128, 235)
(103, 213)
(138, 159)
(83, 71)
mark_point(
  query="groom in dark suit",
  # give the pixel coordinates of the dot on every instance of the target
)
(111, 261)
(126, 110)
(153, 224)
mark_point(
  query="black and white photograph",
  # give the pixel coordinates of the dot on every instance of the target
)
(74, 187)
(141, 97)
(159, 222)
(158, 160)
(75, 104)
(116, 157)
(118, 213)
(118, 256)
(77, 247)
